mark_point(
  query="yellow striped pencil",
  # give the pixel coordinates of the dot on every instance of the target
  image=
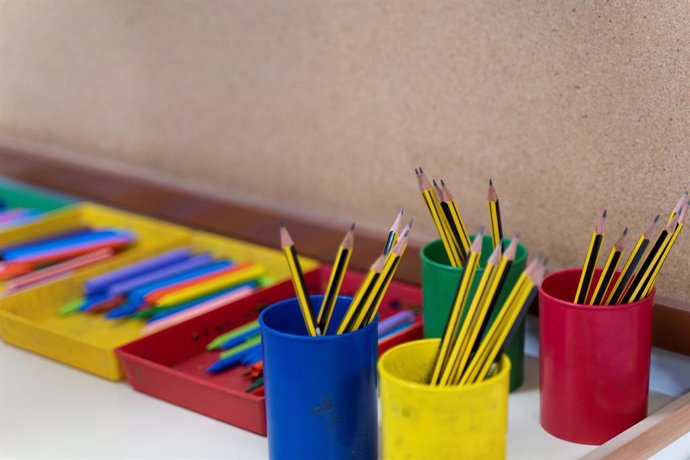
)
(591, 260)
(679, 204)
(638, 282)
(494, 214)
(456, 217)
(463, 342)
(362, 294)
(300, 286)
(633, 259)
(342, 259)
(430, 199)
(608, 270)
(394, 232)
(457, 308)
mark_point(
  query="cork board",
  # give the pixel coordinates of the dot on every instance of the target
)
(327, 107)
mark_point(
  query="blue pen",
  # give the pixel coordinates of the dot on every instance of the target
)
(93, 300)
(192, 303)
(247, 357)
(158, 275)
(102, 282)
(60, 243)
(126, 309)
(238, 339)
(137, 295)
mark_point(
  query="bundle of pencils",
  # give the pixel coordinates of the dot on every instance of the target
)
(47, 258)
(445, 213)
(168, 288)
(467, 351)
(632, 283)
(368, 297)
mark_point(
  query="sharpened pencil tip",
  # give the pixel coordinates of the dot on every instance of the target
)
(402, 210)
(416, 171)
(604, 213)
(517, 235)
(442, 183)
(409, 224)
(625, 231)
(281, 224)
(421, 171)
(433, 181)
(491, 182)
(352, 227)
(656, 219)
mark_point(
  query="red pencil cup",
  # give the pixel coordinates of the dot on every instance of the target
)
(593, 364)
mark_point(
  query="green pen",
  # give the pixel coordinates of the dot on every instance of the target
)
(221, 339)
(240, 348)
(71, 307)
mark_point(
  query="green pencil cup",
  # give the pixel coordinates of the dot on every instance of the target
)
(440, 283)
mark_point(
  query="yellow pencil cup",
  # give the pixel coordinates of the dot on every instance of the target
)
(419, 421)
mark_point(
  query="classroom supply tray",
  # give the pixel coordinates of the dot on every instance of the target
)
(171, 364)
(29, 319)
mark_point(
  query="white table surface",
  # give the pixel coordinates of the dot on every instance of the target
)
(49, 410)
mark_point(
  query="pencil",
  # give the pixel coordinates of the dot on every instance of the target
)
(430, 199)
(338, 272)
(518, 310)
(361, 295)
(679, 204)
(655, 272)
(457, 308)
(630, 265)
(468, 330)
(447, 223)
(491, 302)
(368, 313)
(637, 283)
(494, 214)
(454, 223)
(608, 270)
(456, 217)
(394, 232)
(519, 292)
(591, 260)
(298, 281)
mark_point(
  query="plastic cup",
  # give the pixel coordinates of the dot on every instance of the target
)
(594, 362)
(426, 422)
(321, 392)
(440, 283)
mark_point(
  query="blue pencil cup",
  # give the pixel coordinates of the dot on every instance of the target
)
(321, 395)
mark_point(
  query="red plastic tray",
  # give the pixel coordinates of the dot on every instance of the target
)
(171, 364)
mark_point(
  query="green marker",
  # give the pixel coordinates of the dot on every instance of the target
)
(240, 348)
(71, 307)
(257, 383)
(221, 339)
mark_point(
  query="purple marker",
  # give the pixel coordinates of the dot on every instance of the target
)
(102, 282)
(175, 269)
(393, 321)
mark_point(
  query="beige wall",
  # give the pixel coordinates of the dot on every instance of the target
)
(328, 106)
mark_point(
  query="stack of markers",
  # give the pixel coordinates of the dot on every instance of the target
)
(242, 346)
(467, 355)
(367, 300)
(632, 284)
(14, 217)
(59, 254)
(168, 288)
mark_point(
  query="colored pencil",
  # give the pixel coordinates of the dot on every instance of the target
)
(221, 339)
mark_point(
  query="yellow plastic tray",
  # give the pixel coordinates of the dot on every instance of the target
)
(29, 319)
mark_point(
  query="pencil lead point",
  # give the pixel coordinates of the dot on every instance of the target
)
(656, 219)
(625, 231)
(421, 171)
(402, 210)
(352, 227)
(442, 183)
(491, 182)
(281, 224)
(517, 235)
(416, 171)
(433, 181)
(604, 213)
(409, 224)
